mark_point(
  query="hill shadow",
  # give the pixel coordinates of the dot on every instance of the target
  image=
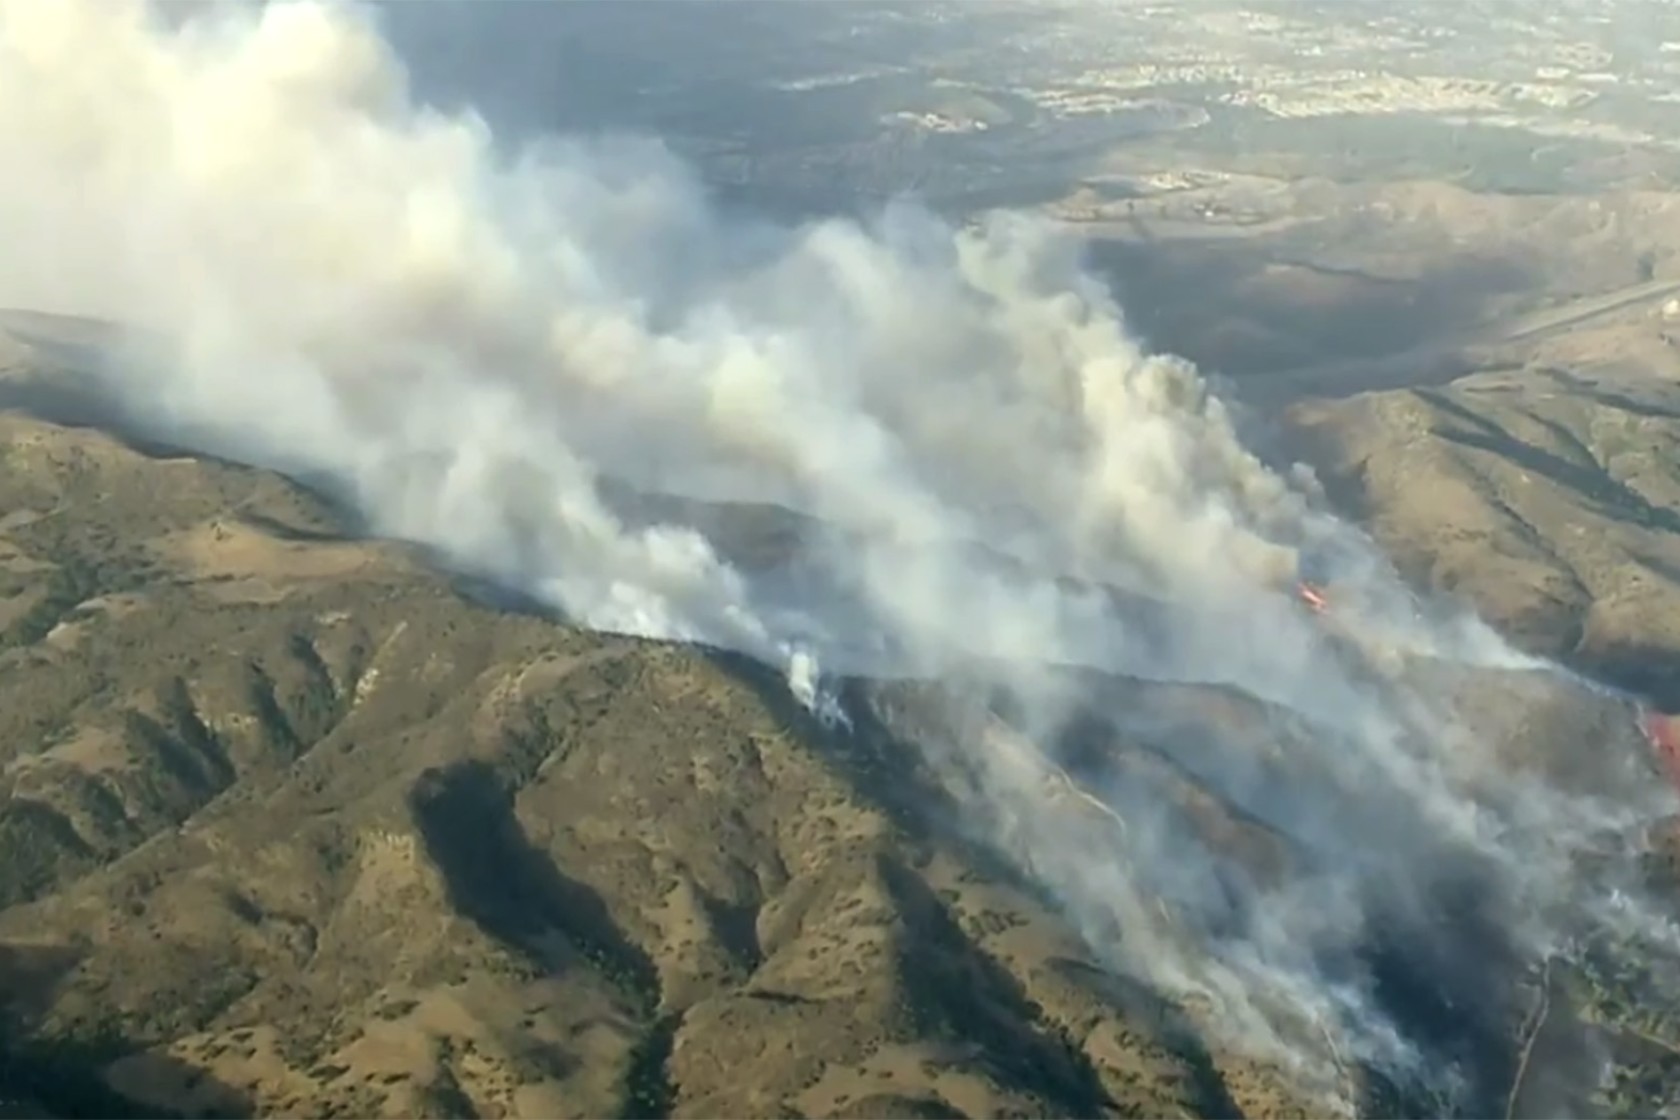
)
(75, 401)
(1225, 307)
(967, 994)
(877, 763)
(1598, 393)
(1137, 1002)
(1650, 671)
(1450, 981)
(63, 1076)
(1593, 486)
(511, 889)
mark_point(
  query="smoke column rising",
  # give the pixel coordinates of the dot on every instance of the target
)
(474, 348)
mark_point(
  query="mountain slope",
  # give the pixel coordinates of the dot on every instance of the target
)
(291, 825)
(1545, 496)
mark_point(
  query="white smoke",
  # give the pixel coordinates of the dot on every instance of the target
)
(477, 349)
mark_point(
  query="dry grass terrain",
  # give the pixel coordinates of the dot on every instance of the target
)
(1312, 287)
(1549, 498)
(291, 825)
(288, 825)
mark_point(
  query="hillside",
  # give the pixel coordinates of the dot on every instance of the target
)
(291, 825)
(1543, 491)
(1545, 496)
(1335, 288)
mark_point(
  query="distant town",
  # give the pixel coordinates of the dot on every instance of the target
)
(1018, 101)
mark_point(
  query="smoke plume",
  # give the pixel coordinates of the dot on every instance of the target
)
(556, 367)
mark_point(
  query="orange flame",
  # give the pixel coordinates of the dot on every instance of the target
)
(1313, 598)
(1660, 731)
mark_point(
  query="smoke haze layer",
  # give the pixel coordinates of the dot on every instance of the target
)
(504, 355)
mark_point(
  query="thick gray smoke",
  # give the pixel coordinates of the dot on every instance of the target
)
(1002, 492)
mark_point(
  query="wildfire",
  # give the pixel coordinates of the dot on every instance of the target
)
(1312, 597)
(1662, 731)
